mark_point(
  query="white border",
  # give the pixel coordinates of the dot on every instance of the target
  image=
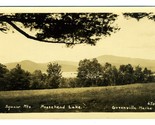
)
(77, 2)
(79, 122)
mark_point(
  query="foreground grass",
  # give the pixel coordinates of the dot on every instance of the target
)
(127, 98)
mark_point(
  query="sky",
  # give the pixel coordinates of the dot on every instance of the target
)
(136, 39)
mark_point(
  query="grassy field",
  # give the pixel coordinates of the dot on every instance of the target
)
(127, 98)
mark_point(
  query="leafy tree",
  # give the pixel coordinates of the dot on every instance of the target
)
(138, 75)
(110, 74)
(126, 73)
(67, 28)
(54, 75)
(3, 79)
(18, 78)
(38, 80)
(89, 72)
(140, 15)
(148, 75)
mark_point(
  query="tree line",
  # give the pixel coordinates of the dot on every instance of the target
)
(19, 79)
(89, 73)
(92, 73)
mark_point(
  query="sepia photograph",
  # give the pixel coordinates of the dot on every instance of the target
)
(77, 60)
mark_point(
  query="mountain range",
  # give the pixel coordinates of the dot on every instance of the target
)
(70, 66)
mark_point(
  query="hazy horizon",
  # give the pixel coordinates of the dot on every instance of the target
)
(78, 60)
(70, 66)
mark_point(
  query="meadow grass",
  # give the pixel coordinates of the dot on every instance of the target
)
(89, 99)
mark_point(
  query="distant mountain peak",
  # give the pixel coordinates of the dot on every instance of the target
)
(26, 61)
(114, 56)
(117, 61)
(70, 66)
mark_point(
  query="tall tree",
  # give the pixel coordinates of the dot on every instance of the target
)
(110, 75)
(19, 79)
(3, 79)
(138, 74)
(148, 75)
(37, 80)
(54, 75)
(89, 72)
(126, 73)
